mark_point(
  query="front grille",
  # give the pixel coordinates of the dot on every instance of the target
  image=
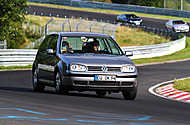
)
(84, 83)
(126, 83)
(102, 83)
(99, 69)
(94, 68)
(114, 69)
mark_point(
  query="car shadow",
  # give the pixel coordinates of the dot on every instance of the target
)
(52, 92)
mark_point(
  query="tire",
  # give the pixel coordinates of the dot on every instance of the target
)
(101, 93)
(59, 84)
(37, 87)
(130, 94)
(173, 30)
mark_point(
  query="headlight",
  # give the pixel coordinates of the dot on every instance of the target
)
(78, 68)
(128, 68)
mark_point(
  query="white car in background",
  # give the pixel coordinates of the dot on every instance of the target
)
(177, 26)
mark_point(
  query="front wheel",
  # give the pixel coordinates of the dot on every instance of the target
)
(173, 29)
(58, 84)
(130, 94)
(35, 82)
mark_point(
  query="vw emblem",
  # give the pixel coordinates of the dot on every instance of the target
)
(104, 69)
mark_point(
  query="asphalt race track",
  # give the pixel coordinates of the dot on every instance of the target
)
(20, 106)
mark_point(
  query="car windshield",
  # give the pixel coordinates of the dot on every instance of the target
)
(178, 22)
(132, 16)
(97, 45)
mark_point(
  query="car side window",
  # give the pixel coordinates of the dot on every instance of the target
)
(114, 47)
(44, 44)
(123, 16)
(53, 42)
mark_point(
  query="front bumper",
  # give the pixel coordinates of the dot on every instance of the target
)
(182, 30)
(87, 81)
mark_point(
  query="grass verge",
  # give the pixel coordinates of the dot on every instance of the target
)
(15, 67)
(109, 11)
(181, 55)
(183, 85)
(125, 36)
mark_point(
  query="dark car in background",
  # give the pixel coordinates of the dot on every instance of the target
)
(78, 61)
(129, 19)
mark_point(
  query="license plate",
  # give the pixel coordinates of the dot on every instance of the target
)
(104, 78)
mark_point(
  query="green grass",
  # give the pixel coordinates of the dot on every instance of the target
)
(183, 54)
(15, 67)
(109, 11)
(37, 20)
(126, 36)
(183, 85)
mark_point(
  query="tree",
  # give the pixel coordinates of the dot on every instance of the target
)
(11, 21)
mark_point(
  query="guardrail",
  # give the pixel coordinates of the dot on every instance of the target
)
(12, 57)
(3, 44)
(119, 7)
(149, 51)
(16, 57)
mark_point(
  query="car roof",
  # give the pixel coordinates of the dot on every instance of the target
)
(87, 34)
(130, 14)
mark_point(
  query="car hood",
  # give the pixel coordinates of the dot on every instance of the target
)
(135, 19)
(96, 59)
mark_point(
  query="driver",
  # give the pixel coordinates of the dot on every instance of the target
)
(95, 45)
(66, 48)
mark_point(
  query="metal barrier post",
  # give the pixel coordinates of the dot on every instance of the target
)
(77, 26)
(91, 26)
(104, 28)
(114, 30)
(5, 44)
(46, 25)
(63, 25)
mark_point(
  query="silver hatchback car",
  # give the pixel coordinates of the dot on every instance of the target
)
(80, 61)
(177, 26)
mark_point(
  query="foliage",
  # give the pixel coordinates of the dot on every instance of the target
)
(11, 20)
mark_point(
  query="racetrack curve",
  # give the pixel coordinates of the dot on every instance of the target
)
(59, 12)
(20, 106)
(111, 18)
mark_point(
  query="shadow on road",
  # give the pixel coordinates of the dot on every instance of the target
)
(52, 92)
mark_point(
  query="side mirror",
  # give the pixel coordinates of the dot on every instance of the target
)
(129, 53)
(50, 51)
